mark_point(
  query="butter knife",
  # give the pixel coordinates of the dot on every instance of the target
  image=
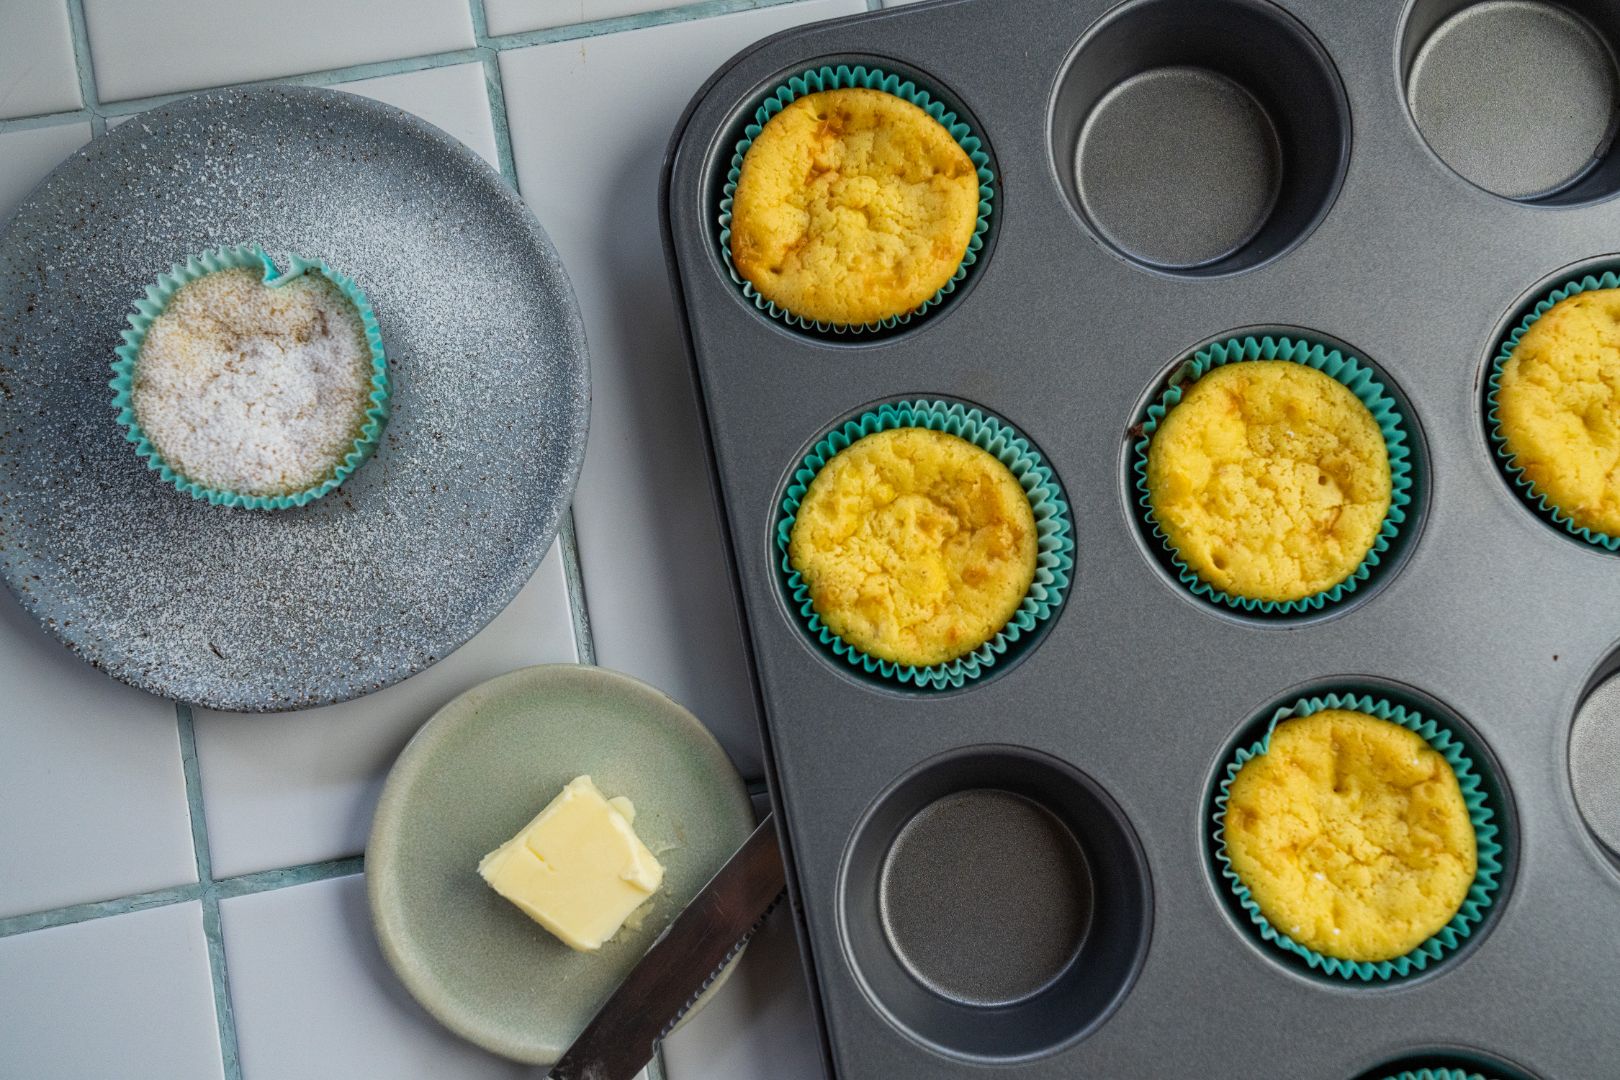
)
(683, 962)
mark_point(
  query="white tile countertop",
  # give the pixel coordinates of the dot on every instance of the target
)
(181, 893)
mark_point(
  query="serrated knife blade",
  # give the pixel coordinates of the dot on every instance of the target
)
(683, 962)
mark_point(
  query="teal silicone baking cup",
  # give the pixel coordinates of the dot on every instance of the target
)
(1054, 537)
(1346, 369)
(1533, 495)
(1488, 870)
(1436, 1074)
(151, 306)
(843, 77)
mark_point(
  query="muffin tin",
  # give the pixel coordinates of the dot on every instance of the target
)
(1327, 200)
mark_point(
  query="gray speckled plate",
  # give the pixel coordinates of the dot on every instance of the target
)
(259, 611)
(471, 778)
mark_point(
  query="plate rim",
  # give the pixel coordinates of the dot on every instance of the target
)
(417, 754)
(572, 332)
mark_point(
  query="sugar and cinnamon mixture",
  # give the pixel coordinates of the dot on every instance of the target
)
(246, 388)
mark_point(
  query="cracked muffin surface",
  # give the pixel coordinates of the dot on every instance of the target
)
(852, 206)
(917, 546)
(1352, 835)
(1558, 407)
(1270, 479)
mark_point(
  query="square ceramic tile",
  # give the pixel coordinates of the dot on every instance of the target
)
(37, 73)
(292, 788)
(314, 999)
(26, 157)
(452, 98)
(83, 760)
(126, 997)
(515, 16)
(759, 1027)
(161, 46)
(661, 604)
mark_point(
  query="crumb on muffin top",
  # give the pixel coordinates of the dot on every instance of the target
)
(1352, 835)
(916, 545)
(852, 206)
(1558, 407)
(1270, 479)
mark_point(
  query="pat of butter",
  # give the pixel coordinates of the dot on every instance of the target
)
(578, 869)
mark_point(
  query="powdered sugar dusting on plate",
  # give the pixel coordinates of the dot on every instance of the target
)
(421, 547)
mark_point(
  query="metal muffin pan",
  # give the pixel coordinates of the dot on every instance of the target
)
(1116, 721)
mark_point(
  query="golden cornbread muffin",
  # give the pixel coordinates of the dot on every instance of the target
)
(916, 545)
(1558, 407)
(1270, 479)
(1352, 835)
(852, 206)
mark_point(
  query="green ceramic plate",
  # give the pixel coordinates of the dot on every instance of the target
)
(475, 774)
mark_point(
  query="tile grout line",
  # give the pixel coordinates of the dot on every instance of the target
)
(567, 538)
(48, 120)
(258, 881)
(97, 909)
(679, 13)
(84, 66)
(327, 77)
(494, 91)
(224, 1015)
(286, 877)
(100, 111)
(574, 579)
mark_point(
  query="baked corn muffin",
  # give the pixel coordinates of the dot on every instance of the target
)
(1558, 407)
(1270, 479)
(251, 389)
(1352, 835)
(852, 206)
(916, 545)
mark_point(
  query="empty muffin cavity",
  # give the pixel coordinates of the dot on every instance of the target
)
(995, 903)
(985, 896)
(1200, 137)
(1519, 97)
(1594, 759)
